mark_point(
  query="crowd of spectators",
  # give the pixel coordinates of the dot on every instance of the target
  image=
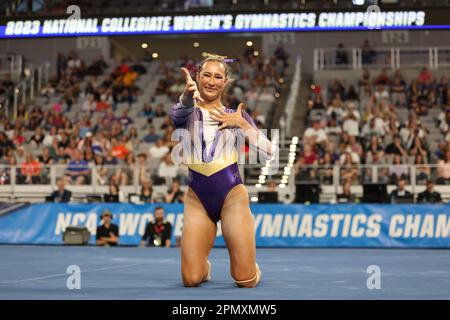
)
(82, 125)
(380, 120)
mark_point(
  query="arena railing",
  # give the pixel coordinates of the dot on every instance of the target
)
(332, 177)
(14, 185)
(382, 57)
(34, 79)
(11, 64)
(286, 120)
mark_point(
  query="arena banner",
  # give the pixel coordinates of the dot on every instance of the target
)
(415, 226)
(222, 22)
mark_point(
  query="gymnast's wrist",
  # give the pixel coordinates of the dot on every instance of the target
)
(186, 101)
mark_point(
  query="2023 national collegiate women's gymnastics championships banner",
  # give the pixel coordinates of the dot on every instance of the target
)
(420, 226)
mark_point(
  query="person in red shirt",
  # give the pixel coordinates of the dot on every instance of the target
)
(18, 138)
(309, 155)
(30, 170)
(425, 76)
(118, 149)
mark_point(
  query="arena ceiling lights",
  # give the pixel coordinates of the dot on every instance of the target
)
(207, 23)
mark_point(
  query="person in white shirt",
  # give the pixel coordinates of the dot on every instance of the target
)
(351, 125)
(89, 104)
(381, 93)
(167, 169)
(317, 132)
(159, 150)
(266, 96)
(50, 136)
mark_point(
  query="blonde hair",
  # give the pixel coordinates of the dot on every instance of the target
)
(214, 57)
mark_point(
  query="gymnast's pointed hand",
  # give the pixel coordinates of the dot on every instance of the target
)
(191, 92)
(229, 120)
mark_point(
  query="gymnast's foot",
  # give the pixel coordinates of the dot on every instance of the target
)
(208, 274)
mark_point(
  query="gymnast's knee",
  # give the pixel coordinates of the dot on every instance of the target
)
(192, 280)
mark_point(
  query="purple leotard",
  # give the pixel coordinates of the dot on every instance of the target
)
(213, 189)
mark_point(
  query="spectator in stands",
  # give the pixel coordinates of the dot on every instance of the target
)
(416, 145)
(35, 118)
(89, 104)
(125, 119)
(159, 111)
(77, 169)
(317, 132)
(443, 169)
(18, 138)
(400, 191)
(332, 128)
(346, 196)
(30, 170)
(367, 53)
(429, 195)
(46, 158)
(157, 233)
(167, 169)
(352, 95)
(61, 194)
(326, 168)
(125, 173)
(108, 233)
(152, 136)
(425, 77)
(318, 102)
(118, 149)
(423, 171)
(349, 166)
(147, 112)
(335, 108)
(443, 91)
(398, 88)
(174, 194)
(381, 93)
(5, 144)
(341, 55)
(281, 54)
(143, 168)
(115, 194)
(371, 129)
(147, 192)
(396, 147)
(21, 155)
(159, 150)
(351, 123)
(398, 170)
(266, 96)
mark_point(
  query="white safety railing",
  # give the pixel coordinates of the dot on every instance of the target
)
(286, 120)
(30, 181)
(21, 181)
(34, 79)
(381, 57)
(11, 64)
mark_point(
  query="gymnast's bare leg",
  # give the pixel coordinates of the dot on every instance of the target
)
(197, 240)
(239, 234)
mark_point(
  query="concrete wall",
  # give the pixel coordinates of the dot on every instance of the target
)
(37, 51)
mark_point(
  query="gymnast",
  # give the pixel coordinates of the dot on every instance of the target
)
(215, 189)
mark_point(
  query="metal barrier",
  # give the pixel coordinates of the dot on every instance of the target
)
(34, 79)
(381, 57)
(11, 64)
(41, 180)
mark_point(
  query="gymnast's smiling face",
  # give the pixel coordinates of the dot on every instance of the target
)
(211, 80)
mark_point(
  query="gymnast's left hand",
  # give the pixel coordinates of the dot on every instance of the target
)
(229, 120)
